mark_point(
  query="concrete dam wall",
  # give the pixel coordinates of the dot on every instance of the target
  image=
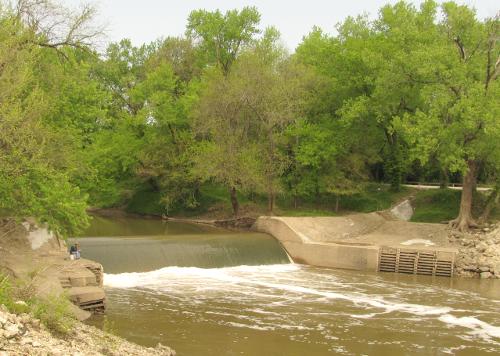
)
(363, 242)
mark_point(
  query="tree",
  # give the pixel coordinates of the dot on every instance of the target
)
(227, 153)
(35, 156)
(338, 139)
(243, 116)
(459, 121)
(223, 36)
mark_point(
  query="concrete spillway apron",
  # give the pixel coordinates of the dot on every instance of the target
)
(363, 242)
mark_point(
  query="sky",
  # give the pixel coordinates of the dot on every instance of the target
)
(143, 21)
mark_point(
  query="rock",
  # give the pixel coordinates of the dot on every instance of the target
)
(36, 344)
(481, 247)
(403, 211)
(25, 318)
(496, 269)
(11, 330)
(485, 275)
(469, 268)
(484, 269)
(164, 350)
(35, 323)
(3, 319)
(26, 341)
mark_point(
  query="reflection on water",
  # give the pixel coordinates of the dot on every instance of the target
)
(286, 309)
(131, 226)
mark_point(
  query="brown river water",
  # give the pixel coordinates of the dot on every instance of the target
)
(205, 291)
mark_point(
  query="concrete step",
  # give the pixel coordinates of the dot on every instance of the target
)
(78, 278)
(88, 298)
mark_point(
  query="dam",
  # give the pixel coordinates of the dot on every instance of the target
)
(364, 242)
(209, 291)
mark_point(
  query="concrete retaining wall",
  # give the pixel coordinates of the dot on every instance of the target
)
(334, 255)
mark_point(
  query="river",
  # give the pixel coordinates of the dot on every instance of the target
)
(207, 291)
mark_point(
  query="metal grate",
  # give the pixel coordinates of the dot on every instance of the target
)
(431, 263)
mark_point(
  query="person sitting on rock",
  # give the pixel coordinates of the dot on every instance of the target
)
(74, 250)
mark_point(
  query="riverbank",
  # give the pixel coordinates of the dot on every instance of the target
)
(479, 252)
(25, 335)
(44, 294)
(431, 206)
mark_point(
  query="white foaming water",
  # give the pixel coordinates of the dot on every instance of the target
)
(157, 278)
(472, 323)
(286, 284)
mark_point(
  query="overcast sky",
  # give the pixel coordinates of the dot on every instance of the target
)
(147, 20)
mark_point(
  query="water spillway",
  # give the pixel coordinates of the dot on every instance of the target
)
(121, 246)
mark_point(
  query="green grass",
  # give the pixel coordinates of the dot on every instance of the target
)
(436, 205)
(306, 212)
(373, 197)
(439, 205)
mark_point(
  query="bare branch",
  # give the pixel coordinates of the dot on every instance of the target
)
(461, 48)
(57, 26)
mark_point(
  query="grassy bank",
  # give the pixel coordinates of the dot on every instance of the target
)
(441, 205)
(434, 205)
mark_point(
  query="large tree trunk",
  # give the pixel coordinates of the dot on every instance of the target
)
(234, 201)
(464, 221)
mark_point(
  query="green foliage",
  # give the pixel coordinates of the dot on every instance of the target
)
(54, 312)
(36, 157)
(223, 36)
(155, 128)
(147, 202)
(5, 292)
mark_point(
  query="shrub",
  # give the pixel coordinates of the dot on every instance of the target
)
(52, 311)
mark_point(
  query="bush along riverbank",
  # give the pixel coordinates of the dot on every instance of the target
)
(25, 335)
(479, 252)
